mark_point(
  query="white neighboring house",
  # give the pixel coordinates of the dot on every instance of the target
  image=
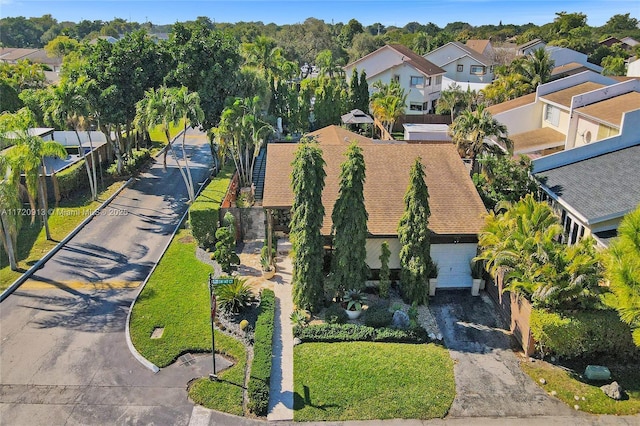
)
(420, 78)
(568, 62)
(463, 65)
(528, 47)
(633, 70)
(568, 113)
(426, 132)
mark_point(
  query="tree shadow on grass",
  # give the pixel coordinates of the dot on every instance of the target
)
(300, 402)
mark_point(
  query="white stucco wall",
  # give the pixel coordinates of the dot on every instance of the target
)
(634, 69)
(521, 119)
(585, 129)
(448, 57)
(374, 251)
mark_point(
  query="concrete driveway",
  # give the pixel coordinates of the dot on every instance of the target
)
(63, 354)
(489, 381)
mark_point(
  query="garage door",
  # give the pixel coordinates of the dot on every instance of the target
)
(453, 264)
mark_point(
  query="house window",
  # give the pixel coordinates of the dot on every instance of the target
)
(428, 81)
(438, 80)
(414, 106)
(491, 69)
(425, 106)
(396, 78)
(460, 68)
(416, 81)
(478, 70)
(552, 115)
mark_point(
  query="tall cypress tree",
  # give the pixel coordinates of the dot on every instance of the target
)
(363, 97)
(349, 217)
(307, 180)
(354, 91)
(413, 232)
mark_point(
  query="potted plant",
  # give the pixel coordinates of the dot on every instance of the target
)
(433, 278)
(268, 268)
(476, 274)
(354, 301)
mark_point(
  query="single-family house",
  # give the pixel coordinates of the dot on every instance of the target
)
(420, 78)
(530, 46)
(463, 65)
(483, 47)
(12, 55)
(456, 208)
(626, 43)
(633, 69)
(593, 186)
(568, 62)
(567, 113)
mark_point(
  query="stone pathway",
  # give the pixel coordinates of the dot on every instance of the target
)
(281, 390)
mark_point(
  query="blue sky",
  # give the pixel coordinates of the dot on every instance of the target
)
(387, 12)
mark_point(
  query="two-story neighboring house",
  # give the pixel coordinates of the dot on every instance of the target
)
(566, 113)
(463, 65)
(420, 78)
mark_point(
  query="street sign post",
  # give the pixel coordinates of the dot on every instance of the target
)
(213, 282)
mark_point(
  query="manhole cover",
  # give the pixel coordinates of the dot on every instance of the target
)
(186, 360)
(157, 332)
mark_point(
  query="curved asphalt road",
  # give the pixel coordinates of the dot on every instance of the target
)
(63, 355)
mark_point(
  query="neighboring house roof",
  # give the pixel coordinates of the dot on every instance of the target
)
(611, 110)
(418, 62)
(563, 97)
(533, 139)
(599, 188)
(336, 135)
(465, 51)
(629, 41)
(478, 45)
(408, 56)
(530, 44)
(513, 103)
(610, 40)
(11, 54)
(456, 207)
(566, 68)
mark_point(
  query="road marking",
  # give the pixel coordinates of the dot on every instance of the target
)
(32, 284)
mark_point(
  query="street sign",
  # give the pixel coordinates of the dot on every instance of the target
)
(219, 281)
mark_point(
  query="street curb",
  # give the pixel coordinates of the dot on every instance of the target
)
(142, 360)
(17, 283)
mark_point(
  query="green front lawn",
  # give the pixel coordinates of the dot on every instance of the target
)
(367, 380)
(567, 387)
(32, 242)
(177, 298)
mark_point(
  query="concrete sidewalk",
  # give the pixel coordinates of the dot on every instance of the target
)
(281, 391)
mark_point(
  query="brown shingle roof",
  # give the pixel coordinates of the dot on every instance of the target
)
(417, 61)
(543, 137)
(571, 66)
(456, 207)
(563, 97)
(611, 110)
(478, 45)
(514, 103)
(336, 135)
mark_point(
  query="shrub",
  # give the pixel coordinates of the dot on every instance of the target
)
(72, 179)
(582, 334)
(377, 316)
(299, 318)
(335, 315)
(234, 297)
(385, 281)
(204, 212)
(358, 333)
(136, 162)
(260, 377)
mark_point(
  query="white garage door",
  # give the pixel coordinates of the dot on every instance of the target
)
(453, 264)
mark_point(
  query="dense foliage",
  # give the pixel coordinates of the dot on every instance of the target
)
(307, 180)
(414, 235)
(503, 179)
(622, 267)
(225, 253)
(588, 334)
(359, 333)
(260, 377)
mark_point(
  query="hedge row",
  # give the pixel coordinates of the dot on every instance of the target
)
(204, 212)
(582, 334)
(358, 333)
(72, 179)
(260, 378)
(137, 160)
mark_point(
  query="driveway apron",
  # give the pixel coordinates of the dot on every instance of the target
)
(489, 381)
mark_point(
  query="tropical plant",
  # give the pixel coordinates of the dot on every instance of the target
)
(234, 297)
(475, 132)
(388, 103)
(414, 235)
(503, 179)
(350, 224)
(622, 269)
(299, 318)
(225, 253)
(266, 262)
(385, 281)
(451, 100)
(10, 219)
(307, 181)
(536, 68)
(354, 299)
(335, 314)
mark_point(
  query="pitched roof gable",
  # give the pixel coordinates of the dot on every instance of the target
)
(418, 62)
(336, 135)
(456, 207)
(563, 97)
(478, 57)
(478, 45)
(611, 110)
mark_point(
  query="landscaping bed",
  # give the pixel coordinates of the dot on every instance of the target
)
(370, 380)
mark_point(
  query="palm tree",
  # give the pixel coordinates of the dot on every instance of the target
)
(474, 132)
(10, 220)
(27, 157)
(388, 103)
(328, 65)
(537, 67)
(66, 106)
(450, 100)
(265, 55)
